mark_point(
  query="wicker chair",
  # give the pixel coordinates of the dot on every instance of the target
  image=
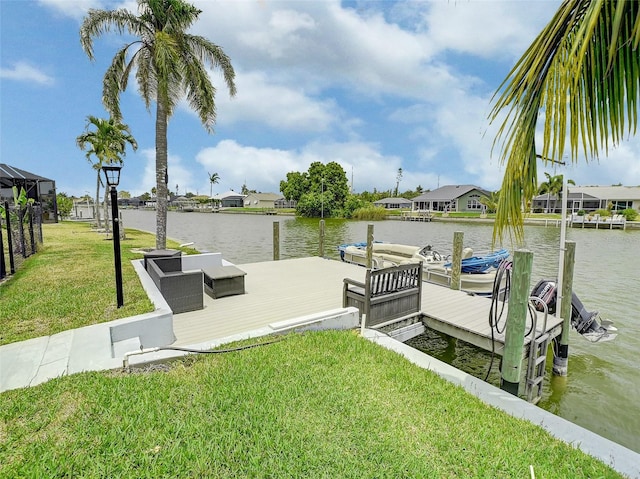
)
(183, 290)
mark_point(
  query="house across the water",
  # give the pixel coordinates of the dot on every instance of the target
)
(451, 198)
(589, 199)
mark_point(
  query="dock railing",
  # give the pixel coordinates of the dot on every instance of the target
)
(417, 215)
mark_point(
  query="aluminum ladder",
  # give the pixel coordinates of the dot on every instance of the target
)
(537, 360)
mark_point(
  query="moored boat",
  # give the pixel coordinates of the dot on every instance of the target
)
(478, 272)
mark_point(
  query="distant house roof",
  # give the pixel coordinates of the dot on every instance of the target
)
(598, 193)
(227, 194)
(573, 195)
(398, 201)
(264, 196)
(448, 193)
(608, 192)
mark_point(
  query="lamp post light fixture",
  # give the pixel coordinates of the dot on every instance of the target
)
(112, 174)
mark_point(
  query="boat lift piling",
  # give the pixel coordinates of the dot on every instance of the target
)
(516, 321)
(369, 245)
(321, 240)
(561, 360)
(456, 259)
(276, 240)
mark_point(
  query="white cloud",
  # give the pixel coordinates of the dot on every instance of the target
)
(507, 27)
(278, 106)
(24, 72)
(179, 174)
(320, 44)
(77, 9)
(259, 168)
(262, 169)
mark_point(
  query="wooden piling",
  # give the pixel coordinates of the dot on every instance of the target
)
(321, 239)
(516, 321)
(561, 360)
(456, 259)
(369, 245)
(276, 240)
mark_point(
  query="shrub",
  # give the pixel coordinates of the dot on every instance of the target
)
(602, 212)
(630, 214)
(353, 204)
(370, 213)
(581, 212)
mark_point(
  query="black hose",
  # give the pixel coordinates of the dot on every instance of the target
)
(495, 312)
(219, 351)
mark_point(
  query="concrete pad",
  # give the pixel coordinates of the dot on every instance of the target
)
(55, 358)
(91, 349)
(19, 362)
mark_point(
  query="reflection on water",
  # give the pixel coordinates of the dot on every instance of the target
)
(603, 385)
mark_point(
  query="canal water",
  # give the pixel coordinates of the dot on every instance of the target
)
(602, 390)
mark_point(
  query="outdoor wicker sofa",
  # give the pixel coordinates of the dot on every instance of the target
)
(183, 290)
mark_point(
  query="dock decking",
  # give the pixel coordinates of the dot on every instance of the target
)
(416, 215)
(598, 222)
(286, 289)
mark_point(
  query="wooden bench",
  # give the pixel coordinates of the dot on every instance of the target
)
(386, 294)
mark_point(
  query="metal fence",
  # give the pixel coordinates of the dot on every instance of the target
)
(20, 236)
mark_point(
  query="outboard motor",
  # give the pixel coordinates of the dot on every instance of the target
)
(587, 323)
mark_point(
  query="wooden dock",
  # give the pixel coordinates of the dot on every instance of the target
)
(416, 215)
(286, 289)
(598, 222)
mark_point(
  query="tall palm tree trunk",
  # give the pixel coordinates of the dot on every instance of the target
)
(161, 174)
(96, 205)
(106, 210)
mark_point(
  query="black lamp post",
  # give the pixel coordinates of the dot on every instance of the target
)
(112, 174)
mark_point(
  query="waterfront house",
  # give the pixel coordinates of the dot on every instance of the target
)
(261, 200)
(451, 198)
(590, 198)
(229, 199)
(393, 203)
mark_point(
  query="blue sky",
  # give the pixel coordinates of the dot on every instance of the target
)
(372, 85)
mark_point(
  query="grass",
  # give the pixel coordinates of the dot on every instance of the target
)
(324, 404)
(70, 283)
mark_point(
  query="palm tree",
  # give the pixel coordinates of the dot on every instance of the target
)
(108, 144)
(398, 179)
(583, 70)
(490, 202)
(213, 179)
(552, 187)
(168, 64)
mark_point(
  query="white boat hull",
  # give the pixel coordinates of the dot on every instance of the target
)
(389, 254)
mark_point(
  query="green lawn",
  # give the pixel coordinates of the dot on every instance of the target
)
(70, 283)
(324, 404)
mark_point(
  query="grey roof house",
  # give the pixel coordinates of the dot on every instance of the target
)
(394, 203)
(451, 198)
(261, 200)
(591, 198)
(229, 199)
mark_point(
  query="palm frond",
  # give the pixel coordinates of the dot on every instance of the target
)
(582, 73)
